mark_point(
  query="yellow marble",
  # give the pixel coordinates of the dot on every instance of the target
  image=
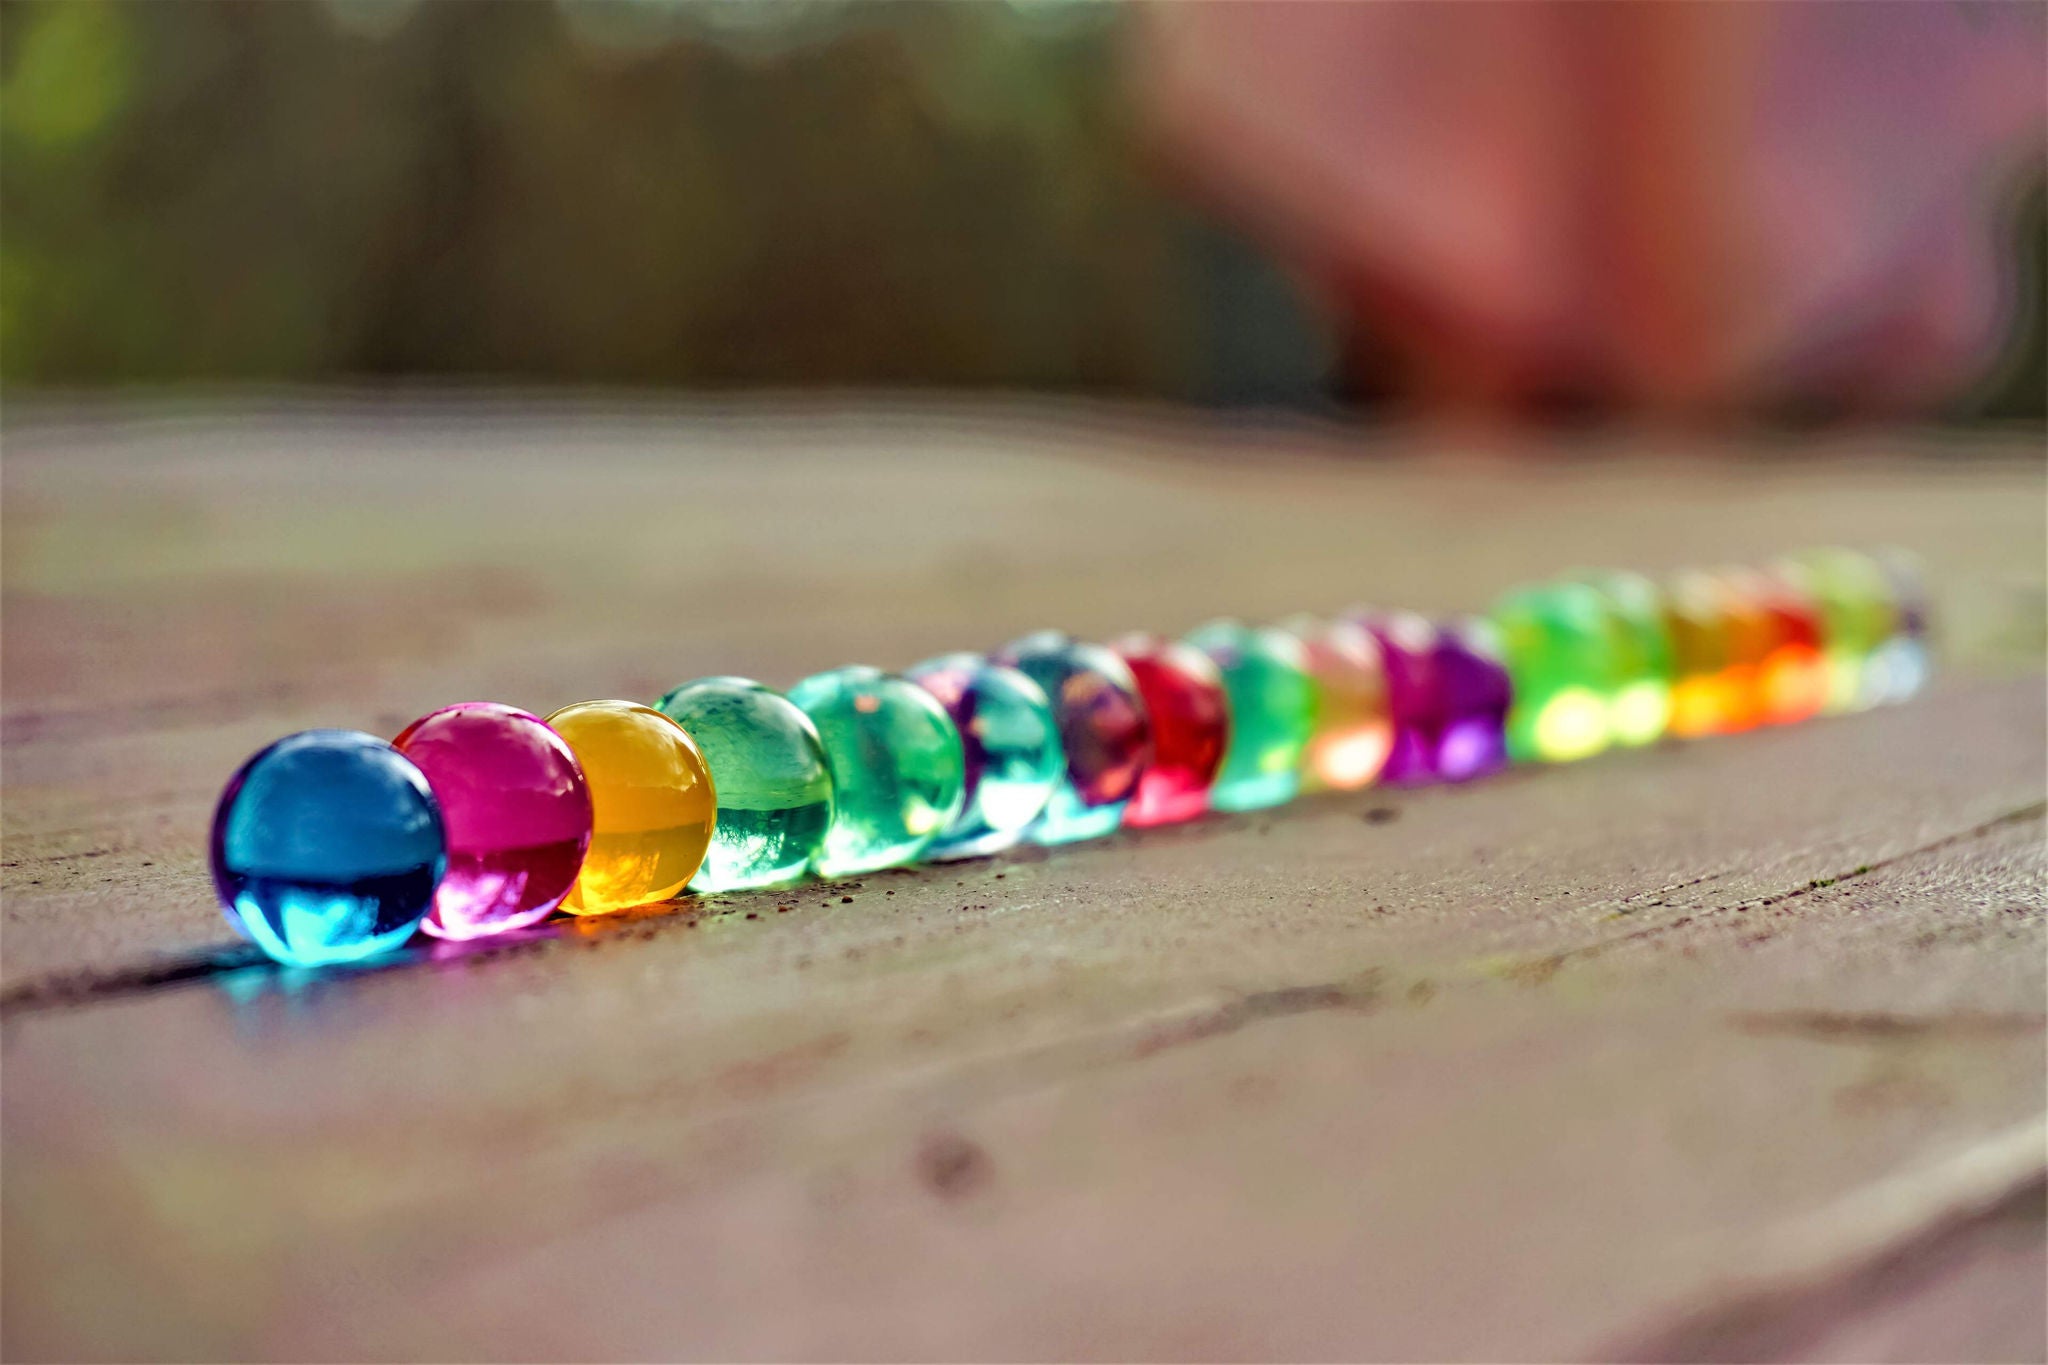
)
(652, 804)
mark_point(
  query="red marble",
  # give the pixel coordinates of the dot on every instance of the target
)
(1190, 712)
(1792, 675)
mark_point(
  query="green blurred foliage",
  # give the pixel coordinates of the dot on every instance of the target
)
(2017, 386)
(638, 192)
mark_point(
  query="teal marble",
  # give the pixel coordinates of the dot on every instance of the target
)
(1272, 712)
(774, 785)
(899, 772)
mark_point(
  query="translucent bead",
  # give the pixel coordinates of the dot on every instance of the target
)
(1354, 729)
(768, 767)
(1476, 692)
(1754, 632)
(1704, 700)
(1011, 744)
(1792, 675)
(517, 812)
(1408, 651)
(1190, 716)
(899, 772)
(1639, 708)
(1272, 712)
(326, 847)
(1858, 614)
(1904, 661)
(1103, 729)
(1448, 691)
(652, 804)
(1558, 647)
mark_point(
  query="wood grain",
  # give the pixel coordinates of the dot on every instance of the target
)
(1730, 1050)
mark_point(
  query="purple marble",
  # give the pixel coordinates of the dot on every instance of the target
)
(1105, 731)
(1475, 694)
(1447, 696)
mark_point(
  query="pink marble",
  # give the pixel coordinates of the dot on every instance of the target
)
(517, 810)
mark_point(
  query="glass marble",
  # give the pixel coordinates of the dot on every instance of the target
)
(1408, 651)
(326, 847)
(899, 770)
(1639, 644)
(1792, 675)
(1858, 614)
(1354, 728)
(1104, 730)
(1448, 692)
(517, 811)
(1272, 712)
(769, 770)
(1476, 692)
(1190, 715)
(1696, 615)
(1752, 633)
(1011, 743)
(1558, 644)
(1903, 662)
(652, 804)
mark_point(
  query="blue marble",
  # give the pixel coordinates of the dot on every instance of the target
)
(1104, 729)
(1012, 741)
(327, 847)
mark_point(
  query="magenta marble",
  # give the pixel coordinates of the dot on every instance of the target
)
(517, 810)
(1447, 696)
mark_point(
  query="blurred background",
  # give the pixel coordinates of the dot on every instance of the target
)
(1767, 212)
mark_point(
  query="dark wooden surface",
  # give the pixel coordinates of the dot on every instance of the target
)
(1730, 1049)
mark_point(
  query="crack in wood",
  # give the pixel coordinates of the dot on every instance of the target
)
(1882, 1245)
(1836, 1027)
(1359, 993)
(1538, 970)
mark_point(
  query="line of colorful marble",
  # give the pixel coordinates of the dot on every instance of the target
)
(479, 819)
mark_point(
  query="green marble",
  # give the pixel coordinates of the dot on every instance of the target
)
(898, 768)
(769, 770)
(1859, 611)
(1555, 640)
(1272, 712)
(1639, 643)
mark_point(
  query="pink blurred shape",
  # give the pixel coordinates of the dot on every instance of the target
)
(1689, 205)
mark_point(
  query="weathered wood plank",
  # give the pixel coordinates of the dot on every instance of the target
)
(1729, 1048)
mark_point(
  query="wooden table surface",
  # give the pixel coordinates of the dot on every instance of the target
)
(1725, 1050)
